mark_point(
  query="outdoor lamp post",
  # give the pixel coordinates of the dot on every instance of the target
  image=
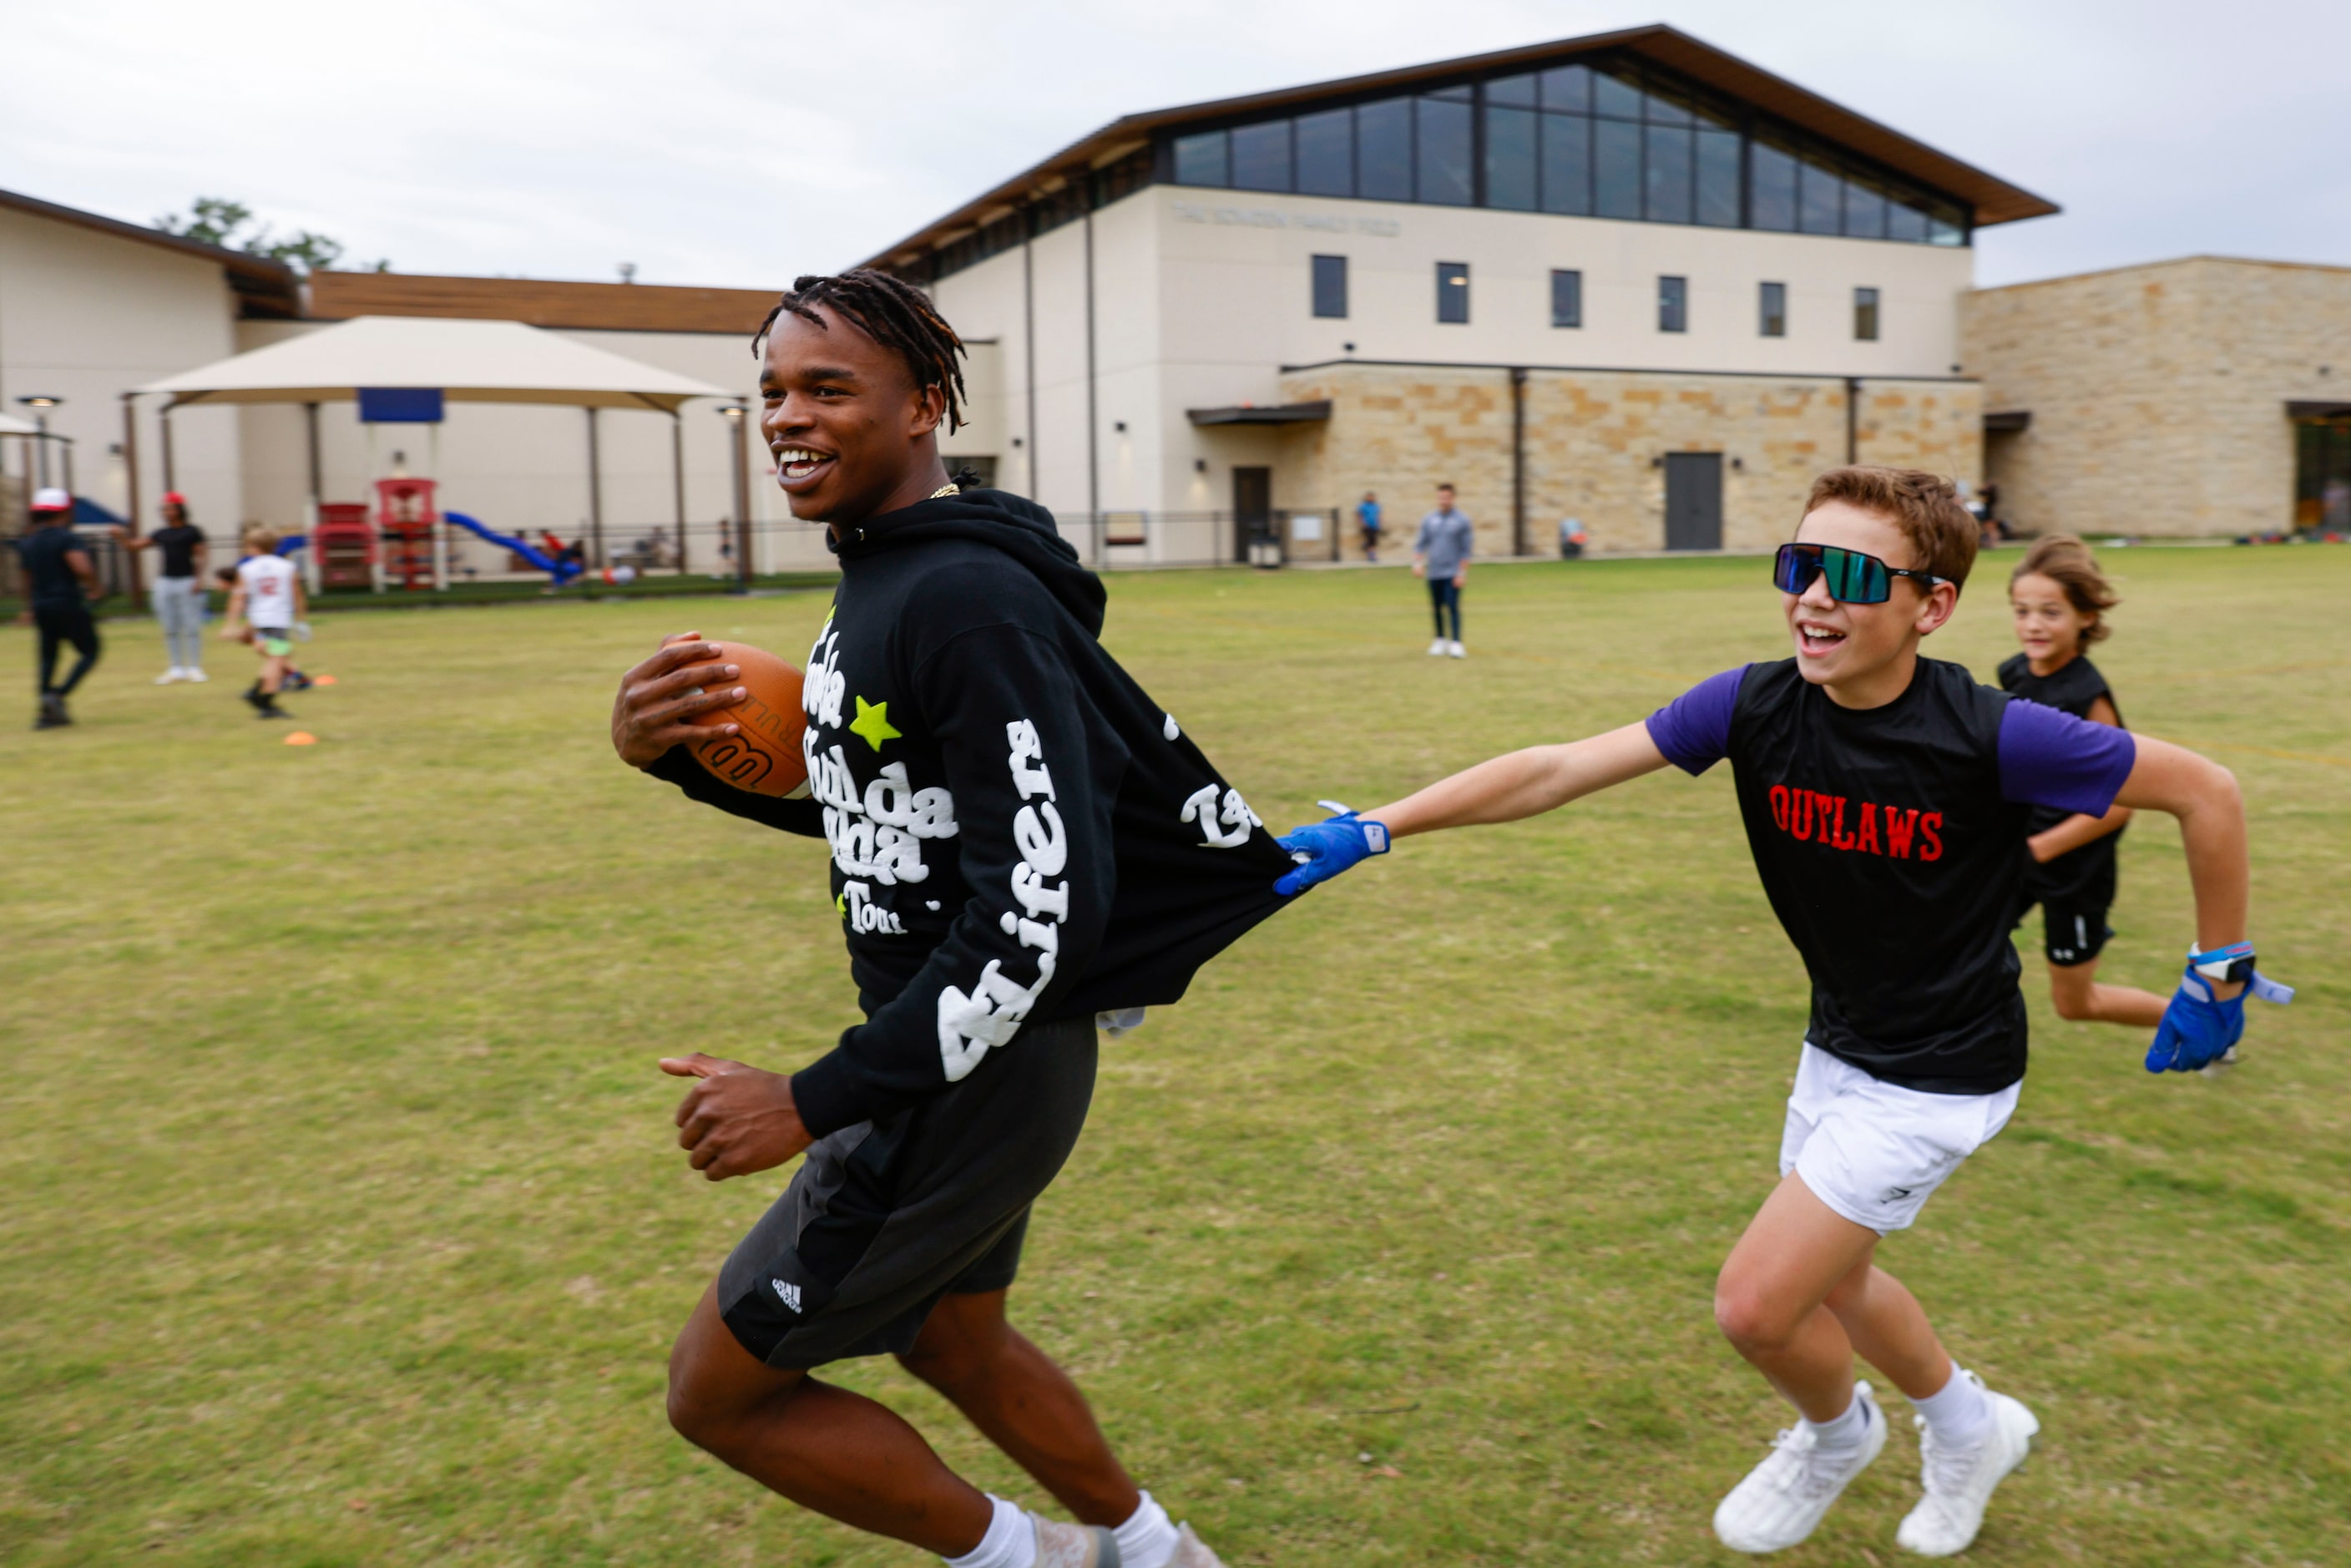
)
(736, 415)
(40, 404)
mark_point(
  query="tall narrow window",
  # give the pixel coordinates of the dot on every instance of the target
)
(1326, 153)
(1453, 292)
(1442, 124)
(1510, 157)
(1864, 315)
(1774, 314)
(1384, 149)
(1673, 304)
(1261, 156)
(1331, 286)
(1566, 298)
(1203, 159)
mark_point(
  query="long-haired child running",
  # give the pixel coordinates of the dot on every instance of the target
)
(2060, 598)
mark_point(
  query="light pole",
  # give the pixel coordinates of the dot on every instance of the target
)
(736, 415)
(40, 404)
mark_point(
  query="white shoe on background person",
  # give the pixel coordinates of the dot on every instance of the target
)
(1456, 650)
(1960, 1480)
(1437, 649)
(1782, 1499)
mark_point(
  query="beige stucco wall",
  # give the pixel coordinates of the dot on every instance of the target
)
(1202, 298)
(1593, 440)
(2157, 392)
(84, 316)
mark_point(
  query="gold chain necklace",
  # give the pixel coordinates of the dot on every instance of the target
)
(949, 488)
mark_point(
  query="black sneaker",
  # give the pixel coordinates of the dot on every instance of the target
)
(271, 710)
(53, 713)
(253, 694)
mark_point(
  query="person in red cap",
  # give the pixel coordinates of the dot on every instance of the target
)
(59, 581)
(179, 592)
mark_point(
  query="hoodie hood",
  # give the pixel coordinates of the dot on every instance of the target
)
(1012, 523)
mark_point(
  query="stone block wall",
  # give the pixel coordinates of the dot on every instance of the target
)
(1593, 442)
(2157, 393)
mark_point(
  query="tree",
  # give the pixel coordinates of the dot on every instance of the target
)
(216, 220)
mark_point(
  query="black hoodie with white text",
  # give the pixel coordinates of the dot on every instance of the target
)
(1018, 830)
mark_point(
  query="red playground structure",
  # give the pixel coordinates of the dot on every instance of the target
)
(404, 519)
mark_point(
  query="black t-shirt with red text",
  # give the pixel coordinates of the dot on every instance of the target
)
(1888, 842)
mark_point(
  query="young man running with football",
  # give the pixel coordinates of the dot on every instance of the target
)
(1885, 797)
(1020, 840)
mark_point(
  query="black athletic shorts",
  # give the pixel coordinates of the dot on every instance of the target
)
(2073, 931)
(885, 1218)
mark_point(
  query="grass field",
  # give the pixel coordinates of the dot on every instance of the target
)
(342, 1223)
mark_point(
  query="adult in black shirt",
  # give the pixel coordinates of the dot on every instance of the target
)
(59, 581)
(1020, 839)
(177, 593)
(1885, 797)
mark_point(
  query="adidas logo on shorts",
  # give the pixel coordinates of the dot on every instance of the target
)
(788, 1294)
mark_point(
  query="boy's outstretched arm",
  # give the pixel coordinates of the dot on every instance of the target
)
(1521, 784)
(2203, 795)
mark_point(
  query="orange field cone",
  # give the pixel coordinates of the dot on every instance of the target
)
(323, 680)
(301, 737)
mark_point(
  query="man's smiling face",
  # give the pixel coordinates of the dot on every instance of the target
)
(841, 416)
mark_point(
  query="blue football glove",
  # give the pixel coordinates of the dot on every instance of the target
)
(1324, 849)
(2198, 1031)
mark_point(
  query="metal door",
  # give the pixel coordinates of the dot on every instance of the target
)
(1693, 500)
(1252, 507)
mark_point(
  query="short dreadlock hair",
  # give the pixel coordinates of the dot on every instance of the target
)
(895, 314)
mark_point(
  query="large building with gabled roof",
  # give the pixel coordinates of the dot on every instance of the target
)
(1626, 278)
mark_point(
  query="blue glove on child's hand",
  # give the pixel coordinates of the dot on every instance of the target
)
(2196, 1030)
(1323, 850)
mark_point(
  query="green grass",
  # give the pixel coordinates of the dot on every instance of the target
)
(342, 1224)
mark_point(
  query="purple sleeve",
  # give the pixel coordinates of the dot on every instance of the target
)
(2051, 759)
(1694, 729)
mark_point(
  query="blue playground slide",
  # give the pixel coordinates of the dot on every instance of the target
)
(562, 571)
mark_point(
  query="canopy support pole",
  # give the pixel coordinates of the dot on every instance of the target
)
(677, 480)
(170, 473)
(130, 473)
(439, 529)
(595, 496)
(313, 569)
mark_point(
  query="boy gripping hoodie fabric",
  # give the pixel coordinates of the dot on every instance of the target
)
(1020, 838)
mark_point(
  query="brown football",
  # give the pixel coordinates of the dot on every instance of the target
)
(764, 757)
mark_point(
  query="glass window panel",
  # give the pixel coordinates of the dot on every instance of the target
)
(1453, 293)
(1864, 211)
(1905, 222)
(1518, 92)
(1717, 179)
(1945, 225)
(1864, 315)
(1384, 149)
(1774, 310)
(1567, 164)
(1326, 153)
(1668, 174)
(1453, 94)
(1667, 109)
(1615, 98)
(1615, 169)
(1820, 207)
(1718, 118)
(1510, 159)
(1771, 198)
(1444, 146)
(1566, 298)
(1673, 305)
(1261, 156)
(1568, 88)
(1331, 286)
(1201, 159)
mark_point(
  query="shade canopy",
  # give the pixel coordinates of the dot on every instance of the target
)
(11, 425)
(465, 361)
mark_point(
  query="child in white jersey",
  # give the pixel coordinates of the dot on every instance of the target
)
(265, 606)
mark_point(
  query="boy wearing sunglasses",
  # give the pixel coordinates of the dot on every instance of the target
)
(1884, 797)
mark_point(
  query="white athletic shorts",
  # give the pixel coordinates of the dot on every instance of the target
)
(1875, 1151)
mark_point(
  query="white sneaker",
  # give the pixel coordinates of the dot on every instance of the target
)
(1191, 1552)
(194, 672)
(1782, 1499)
(168, 676)
(1959, 1481)
(1457, 650)
(1062, 1545)
(1437, 649)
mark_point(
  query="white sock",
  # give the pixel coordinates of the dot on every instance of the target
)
(1147, 1540)
(1844, 1435)
(1010, 1541)
(1959, 1415)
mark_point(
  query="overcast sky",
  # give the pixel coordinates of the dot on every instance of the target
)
(718, 142)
